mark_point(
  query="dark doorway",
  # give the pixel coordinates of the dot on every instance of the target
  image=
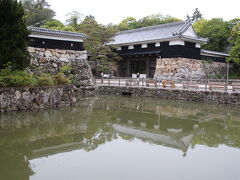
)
(138, 67)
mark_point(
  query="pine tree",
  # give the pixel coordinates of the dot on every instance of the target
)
(37, 12)
(13, 35)
(96, 44)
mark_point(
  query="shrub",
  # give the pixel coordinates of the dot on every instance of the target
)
(65, 69)
(59, 78)
(16, 79)
(45, 80)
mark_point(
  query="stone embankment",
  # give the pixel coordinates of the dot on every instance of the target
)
(51, 60)
(174, 94)
(184, 68)
(14, 99)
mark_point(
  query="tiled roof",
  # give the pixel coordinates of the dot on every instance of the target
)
(56, 32)
(153, 33)
(208, 52)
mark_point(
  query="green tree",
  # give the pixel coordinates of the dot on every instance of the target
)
(37, 12)
(128, 23)
(97, 43)
(156, 19)
(197, 15)
(13, 35)
(74, 18)
(199, 25)
(53, 24)
(216, 31)
(57, 25)
(233, 23)
(235, 44)
(42, 4)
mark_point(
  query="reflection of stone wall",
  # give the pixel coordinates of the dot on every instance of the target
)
(51, 60)
(183, 68)
(14, 99)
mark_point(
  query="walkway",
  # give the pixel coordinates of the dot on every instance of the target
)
(196, 85)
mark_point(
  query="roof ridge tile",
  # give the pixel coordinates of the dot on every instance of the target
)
(57, 32)
(151, 27)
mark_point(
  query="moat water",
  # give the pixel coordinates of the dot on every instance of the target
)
(122, 138)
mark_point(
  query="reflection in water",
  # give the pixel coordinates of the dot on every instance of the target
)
(28, 136)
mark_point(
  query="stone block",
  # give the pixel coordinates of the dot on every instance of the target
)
(83, 56)
(42, 60)
(48, 54)
(31, 49)
(72, 57)
(41, 54)
(54, 65)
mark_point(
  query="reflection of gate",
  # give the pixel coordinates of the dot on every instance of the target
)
(138, 67)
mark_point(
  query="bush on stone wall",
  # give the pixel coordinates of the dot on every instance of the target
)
(60, 78)
(9, 78)
(45, 80)
(16, 79)
(65, 69)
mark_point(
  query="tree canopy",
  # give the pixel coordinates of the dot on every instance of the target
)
(216, 31)
(74, 18)
(155, 19)
(13, 35)
(235, 44)
(37, 12)
(97, 43)
(128, 23)
(232, 23)
(199, 25)
(58, 25)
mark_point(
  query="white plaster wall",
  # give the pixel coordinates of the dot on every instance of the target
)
(176, 42)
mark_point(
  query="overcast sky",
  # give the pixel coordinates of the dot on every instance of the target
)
(113, 11)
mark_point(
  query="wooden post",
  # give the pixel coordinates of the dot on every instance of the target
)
(227, 71)
(226, 85)
(227, 75)
(148, 68)
(128, 68)
(205, 85)
(108, 80)
(119, 81)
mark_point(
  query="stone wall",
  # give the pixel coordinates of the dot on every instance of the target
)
(175, 94)
(51, 60)
(184, 68)
(14, 99)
